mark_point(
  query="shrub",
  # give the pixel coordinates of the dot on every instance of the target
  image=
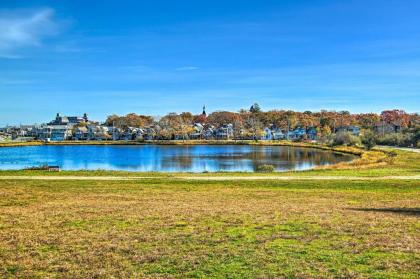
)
(396, 139)
(265, 168)
(345, 138)
(369, 139)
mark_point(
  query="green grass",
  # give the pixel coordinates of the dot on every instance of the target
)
(162, 227)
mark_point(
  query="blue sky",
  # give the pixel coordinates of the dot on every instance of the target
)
(154, 57)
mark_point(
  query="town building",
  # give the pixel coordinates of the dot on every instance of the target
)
(69, 120)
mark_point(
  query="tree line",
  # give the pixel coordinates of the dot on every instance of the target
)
(252, 121)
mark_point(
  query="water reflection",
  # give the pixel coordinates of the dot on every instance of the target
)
(168, 158)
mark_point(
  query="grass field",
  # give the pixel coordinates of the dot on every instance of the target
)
(165, 227)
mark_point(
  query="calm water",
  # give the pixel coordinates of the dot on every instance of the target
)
(167, 158)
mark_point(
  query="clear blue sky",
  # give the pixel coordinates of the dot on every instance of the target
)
(154, 57)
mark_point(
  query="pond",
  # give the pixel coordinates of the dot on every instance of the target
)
(168, 158)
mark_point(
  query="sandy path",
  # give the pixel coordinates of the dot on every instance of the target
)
(210, 178)
(415, 150)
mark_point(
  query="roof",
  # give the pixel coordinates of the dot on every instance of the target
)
(82, 129)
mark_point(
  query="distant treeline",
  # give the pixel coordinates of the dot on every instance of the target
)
(394, 127)
(284, 119)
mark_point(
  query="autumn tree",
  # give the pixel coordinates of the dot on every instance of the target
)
(220, 118)
(397, 117)
(367, 120)
(130, 120)
(254, 126)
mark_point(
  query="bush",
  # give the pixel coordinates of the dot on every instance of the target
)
(396, 139)
(369, 139)
(265, 168)
(345, 138)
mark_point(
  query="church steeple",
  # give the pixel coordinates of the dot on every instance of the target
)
(204, 111)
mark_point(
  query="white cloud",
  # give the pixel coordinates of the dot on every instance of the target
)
(24, 28)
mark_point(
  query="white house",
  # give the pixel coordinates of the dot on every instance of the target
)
(60, 132)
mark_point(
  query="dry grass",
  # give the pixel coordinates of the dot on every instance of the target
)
(165, 228)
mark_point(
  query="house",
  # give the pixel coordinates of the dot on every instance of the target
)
(97, 132)
(116, 133)
(139, 134)
(149, 133)
(103, 133)
(198, 131)
(209, 132)
(383, 127)
(81, 133)
(60, 132)
(43, 132)
(69, 120)
(312, 133)
(267, 134)
(354, 130)
(272, 133)
(224, 132)
(298, 133)
(128, 133)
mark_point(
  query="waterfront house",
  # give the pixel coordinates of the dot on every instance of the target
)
(97, 132)
(60, 132)
(209, 132)
(224, 132)
(128, 133)
(312, 133)
(267, 134)
(277, 134)
(81, 133)
(198, 131)
(116, 133)
(296, 134)
(149, 133)
(103, 133)
(69, 120)
(139, 134)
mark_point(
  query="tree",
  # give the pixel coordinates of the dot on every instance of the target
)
(369, 139)
(325, 131)
(255, 108)
(201, 118)
(397, 117)
(345, 138)
(254, 126)
(170, 126)
(220, 118)
(111, 119)
(238, 129)
(367, 120)
(130, 120)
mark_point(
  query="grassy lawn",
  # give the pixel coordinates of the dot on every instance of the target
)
(220, 229)
(165, 227)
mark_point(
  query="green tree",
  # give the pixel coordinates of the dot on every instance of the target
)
(255, 108)
(369, 139)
